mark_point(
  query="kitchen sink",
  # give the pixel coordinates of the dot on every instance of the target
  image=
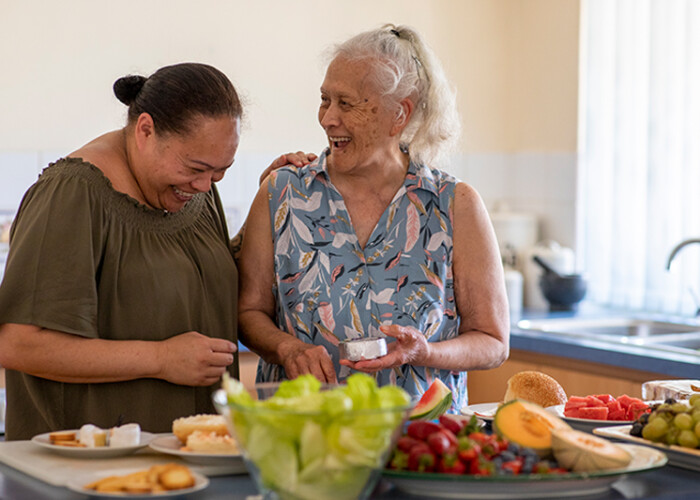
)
(610, 327)
(663, 334)
(682, 341)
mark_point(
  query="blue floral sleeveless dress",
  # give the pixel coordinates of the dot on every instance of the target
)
(329, 289)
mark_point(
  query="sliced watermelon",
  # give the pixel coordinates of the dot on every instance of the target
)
(434, 402)
(594, 412)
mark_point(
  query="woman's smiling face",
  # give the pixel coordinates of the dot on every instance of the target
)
(356, 121)
(184, 165)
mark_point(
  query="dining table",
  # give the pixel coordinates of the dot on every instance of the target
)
(667, 482)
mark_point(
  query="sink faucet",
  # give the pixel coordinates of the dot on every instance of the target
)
(677, 249)
(672, 256)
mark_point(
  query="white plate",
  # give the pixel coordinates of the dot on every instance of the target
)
(78, 483)
(584, 424)
(526, 485)
(99, 452)
(169, 444)
(484, 411)
(677, 455)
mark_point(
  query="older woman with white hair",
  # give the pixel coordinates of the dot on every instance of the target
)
(371, 239)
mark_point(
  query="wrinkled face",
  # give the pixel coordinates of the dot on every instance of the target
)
(181, 166)
(358, 125)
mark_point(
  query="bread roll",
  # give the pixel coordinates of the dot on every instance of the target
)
(183, 427)
(535, 387)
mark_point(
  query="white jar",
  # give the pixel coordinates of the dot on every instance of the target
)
(514, 289)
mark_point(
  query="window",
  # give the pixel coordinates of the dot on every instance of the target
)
(639, 143)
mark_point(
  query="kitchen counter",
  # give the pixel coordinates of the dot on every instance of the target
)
(665, 483)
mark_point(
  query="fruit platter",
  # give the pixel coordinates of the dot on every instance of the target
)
(458, 456)
(671, 426)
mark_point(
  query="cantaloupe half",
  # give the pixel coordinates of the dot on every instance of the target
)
(527, 424)
(583, 452)
(433, 403)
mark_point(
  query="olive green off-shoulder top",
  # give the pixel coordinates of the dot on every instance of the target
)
(90, 261)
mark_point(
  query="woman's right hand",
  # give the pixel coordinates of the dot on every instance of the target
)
(195, 359)
(299, 358)
(298, 159)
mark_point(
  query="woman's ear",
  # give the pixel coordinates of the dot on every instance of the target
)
(403, 115)
(144, 130)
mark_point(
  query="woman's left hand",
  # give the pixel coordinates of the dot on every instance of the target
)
(298, 159)
(411, 348)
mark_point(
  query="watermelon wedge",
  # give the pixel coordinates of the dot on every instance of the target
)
(434, 402)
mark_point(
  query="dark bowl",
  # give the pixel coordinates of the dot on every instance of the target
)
(563, 292)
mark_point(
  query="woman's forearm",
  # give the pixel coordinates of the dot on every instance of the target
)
(70, 358)
(471, 350)
(260, 334)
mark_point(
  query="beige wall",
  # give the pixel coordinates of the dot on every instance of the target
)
(513, 62)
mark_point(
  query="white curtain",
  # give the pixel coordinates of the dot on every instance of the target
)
(639, 143)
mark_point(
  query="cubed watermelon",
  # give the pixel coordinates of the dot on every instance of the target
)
(626, 401)
(593, 401)
(613, 406)
(576, 402)
(620, 414)
(594, 412)
(636, 409)
(605, 398)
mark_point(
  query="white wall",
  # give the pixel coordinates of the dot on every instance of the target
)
(513, 62)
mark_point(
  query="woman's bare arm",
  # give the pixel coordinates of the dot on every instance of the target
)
(187, 359)
(256, 303)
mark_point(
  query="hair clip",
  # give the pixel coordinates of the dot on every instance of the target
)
(395, 32)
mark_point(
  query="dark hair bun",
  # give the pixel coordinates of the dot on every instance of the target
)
(127, 88)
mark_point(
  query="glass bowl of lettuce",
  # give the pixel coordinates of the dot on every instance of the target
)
(304, 440)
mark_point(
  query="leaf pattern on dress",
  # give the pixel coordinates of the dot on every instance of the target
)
(432, 277)
(329, 289)
(325, 312)
(281, 215)
(412, 227)
(327, 334)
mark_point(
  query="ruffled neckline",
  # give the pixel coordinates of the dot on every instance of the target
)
(122, 205)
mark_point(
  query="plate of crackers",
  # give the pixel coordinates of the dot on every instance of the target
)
(67, 443)
(163, 480)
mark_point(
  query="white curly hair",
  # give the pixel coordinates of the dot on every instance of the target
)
(404, 66)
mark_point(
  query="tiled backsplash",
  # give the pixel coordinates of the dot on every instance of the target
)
(543, 184)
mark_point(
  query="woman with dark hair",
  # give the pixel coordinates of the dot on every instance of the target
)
(373, 240)
(117, 303)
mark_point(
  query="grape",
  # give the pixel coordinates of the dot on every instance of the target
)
(671, 436)
(697, 430)
(694, 399)
(687, 439)
(696, 415)
(655, 429)
(683, 421)
(679, 407)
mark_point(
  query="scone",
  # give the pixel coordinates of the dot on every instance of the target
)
(183, 427)
(210, 442)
